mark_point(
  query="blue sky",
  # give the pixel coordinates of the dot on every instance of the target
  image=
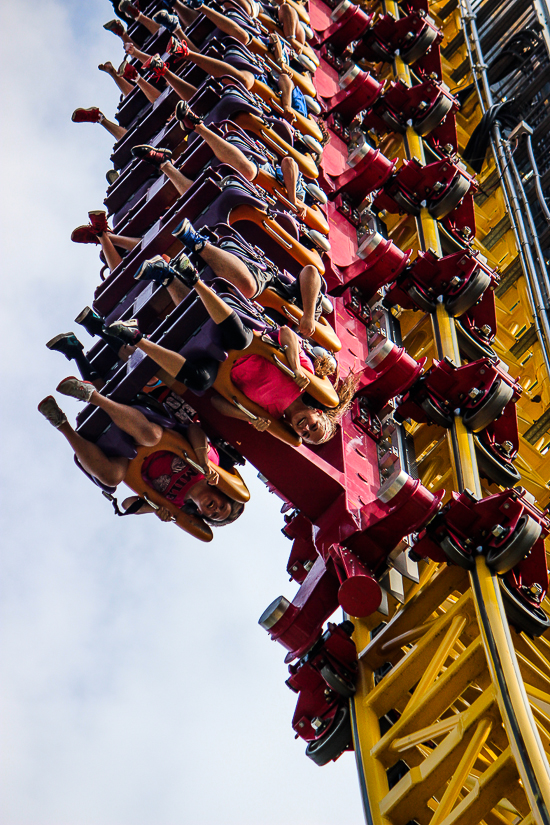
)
(136, 685)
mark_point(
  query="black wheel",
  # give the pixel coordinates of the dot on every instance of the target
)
(523, 616)
(344, 687)
(504, 558)
(489, 409)
(421, 45)
(405, 203)
(436, 414)
(439, 111)
(421, 301)
(331, 744)
(492, 467)
(470, 346)
(456, 554)
(452, 197)
(393, 122)
(468, 296)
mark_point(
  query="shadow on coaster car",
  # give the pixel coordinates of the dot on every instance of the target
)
(319, 388)
(229, 483)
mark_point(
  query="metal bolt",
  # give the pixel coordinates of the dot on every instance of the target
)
(474, 393)
(507, 446)
(498, 530)
(300, 724)
(316, 723)
(486, 330)
(535, 589)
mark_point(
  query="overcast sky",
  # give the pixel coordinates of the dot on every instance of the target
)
(136, 685)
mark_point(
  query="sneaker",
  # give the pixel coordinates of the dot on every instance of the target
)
(184, 269)
(186, 115)
(169, 21)
(188, 235)
(67, 343)
(51, 410)
(157, 270)
(116, 27)
(90, 320)
(127, 331)
(129, 72)
(128, 9)
(178, 47)
(91, 115)
(156, 65)
(111, 176)
(98, 221)
(193, 4)
(76, 388)
(151, 155)
(84, 234)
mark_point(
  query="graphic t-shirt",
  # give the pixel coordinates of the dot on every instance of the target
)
(265, 384)
(171, 476)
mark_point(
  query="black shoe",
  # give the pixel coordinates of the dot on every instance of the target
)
(188, 235)
(187, 116)
(184, 270)
(67, 343)
(156, 270)
(151, 155)
(91, 321)
(126, 331)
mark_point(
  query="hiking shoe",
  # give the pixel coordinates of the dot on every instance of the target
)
(188, 235)
(90, 320)
(187, 116)
(126, 331)
(178, 47)
(76, 388)
(157, 270)
(84, 234)
(184, 269)
(67, 343)
(116, 27)
(91, 115)
(152, 155)
(128, 9)
(98, 221)
(156, 65)
(51, 410)
(169, 21)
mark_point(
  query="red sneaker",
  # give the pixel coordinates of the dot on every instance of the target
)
(91, 115)
(178, 48)
(130, 72)
(84, 234)
(156, 65)
(116, 27)
(98, 221)
(128, 8)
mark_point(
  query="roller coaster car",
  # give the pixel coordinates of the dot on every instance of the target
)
(441, 186)
(381, 262)
(359, 90)
(260, 127)
(459, 279)
(340, 26)
(319, 388)
(412, 35)
(367, 170)
(229, 483)
(314, 217)
(305, 125)
(390, 371)
(479, 390)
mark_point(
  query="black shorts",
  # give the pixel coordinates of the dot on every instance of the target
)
(200, 373)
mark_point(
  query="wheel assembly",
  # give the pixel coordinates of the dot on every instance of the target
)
(498, 396)
(344, 687)
(525, 617)
(334, 742)
(504, 558)
(456, 554)
(492, 467)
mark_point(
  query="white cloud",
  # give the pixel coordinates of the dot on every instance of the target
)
(137, 687)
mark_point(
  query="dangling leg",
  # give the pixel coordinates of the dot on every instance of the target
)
(310, 285)
(124, 85)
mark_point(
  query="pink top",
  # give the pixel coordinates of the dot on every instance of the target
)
(168, 474)
(265, 384)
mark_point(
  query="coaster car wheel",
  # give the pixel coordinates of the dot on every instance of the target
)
(468, 296)
(471, 347)
(504, 558)
(436, 414)
(439, 111)
(330, 745)
(496, 470)
(420, 46)
(456, 554)
(344, 687)
(524, 617)
(498, 396)
(405, 203)
(422, 301)
(452, 197)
